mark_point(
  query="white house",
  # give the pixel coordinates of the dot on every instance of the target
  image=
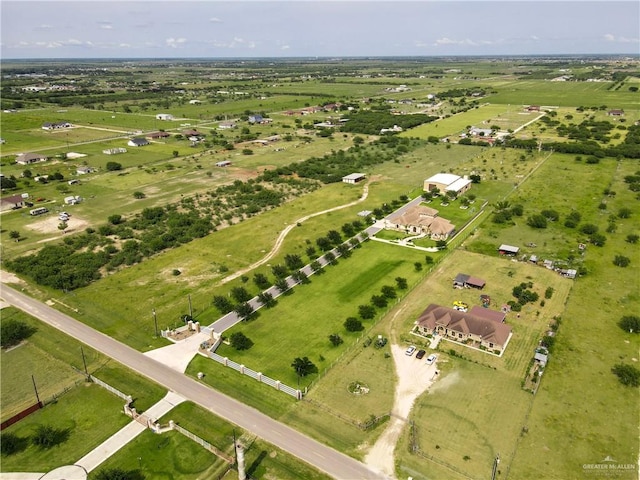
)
(354, 178)
(138, 142)
(164, 116)
(447, 182)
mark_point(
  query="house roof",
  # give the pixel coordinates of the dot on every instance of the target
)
(354, 176)
(139, 141)
(508, 248)
(158, 135)
(459, 184)
(464, 322)
(13, 200)
(493, 315)
(425, 217)
(443, 178)
(469, 280)
(30, 156)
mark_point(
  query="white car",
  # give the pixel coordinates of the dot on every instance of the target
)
(409, 351)
(431, 358)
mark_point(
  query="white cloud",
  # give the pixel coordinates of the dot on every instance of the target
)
(285, 47)
(612, 38)
(45, 26)
(106, 27)
(175, 42)
(609, 37)
(215, 20)
(449, 41)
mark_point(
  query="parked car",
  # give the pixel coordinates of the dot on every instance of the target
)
(431, 358)
(420, 354)
(410, 350)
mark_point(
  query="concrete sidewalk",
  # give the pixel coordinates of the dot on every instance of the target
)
(101, 453)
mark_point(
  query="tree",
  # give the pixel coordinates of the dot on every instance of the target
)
(379, 301)
(330, 258)
(537, 221)
(27, 173)
(11, 443)
(261, 281)
(300, 276)
(240, 341)
(303, 366)
(7, 183)
(418, 266)
(632, 238)
(266, 299)
(324, 244)
(598, 239)
(316, 266)
(401, 283)
(627, 374)
(366, 312)
(223, 304)
(46, 436)
(621, 261)
(14, 235)
(240, 294)
(293, 262)
(12, 332)
(352, 324)
(138, 195)
(624, 212)
(115, 219)
(428, 260)
(282, 285)
(113, 166)
(334, 237)
(441, 244)
(335, 339)
(279, 271)
(388, 291)
(244, 310)
(630, 323)
(176, 153)
(589, 229)
(62, 226)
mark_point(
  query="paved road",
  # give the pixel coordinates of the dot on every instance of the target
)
(320, 456)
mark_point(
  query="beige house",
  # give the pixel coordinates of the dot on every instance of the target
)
(447, 182)
(421, 219)
(474, 330)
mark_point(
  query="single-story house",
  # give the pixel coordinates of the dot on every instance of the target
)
(570, 273)
(114, 151)
(84, 170)
(158, 135)
(489, 314)
(480, 132)
(615, 113)
(505, 249)
(354, 178)
(393, 129)
(226, 125)
(12, 202)
(28, 158)
(447, 182)
(421, 219)
(258, 119)
(192, 133)
(533, 108)
(463, 280)
(138, 142)
(164, 116)
(464, 327)
(224, 163)
(194, 102)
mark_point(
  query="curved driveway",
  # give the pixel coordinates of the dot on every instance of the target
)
(320, 456)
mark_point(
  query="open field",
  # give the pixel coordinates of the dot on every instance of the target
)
(477, 409)
(88, 412)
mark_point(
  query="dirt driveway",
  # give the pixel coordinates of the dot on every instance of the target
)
(414, 378)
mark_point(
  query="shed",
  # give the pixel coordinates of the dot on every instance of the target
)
(541, 358)
(533, 259)
(224, 163)
(505, 249)
(138, 142)
(354, 178)
(464, 280)
(164, 116)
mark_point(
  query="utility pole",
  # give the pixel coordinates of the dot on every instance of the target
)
(190, 307)
(36, 389)
(84, 361)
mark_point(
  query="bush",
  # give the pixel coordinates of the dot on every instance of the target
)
(113, 166)
(240, 341)
(46, 436)
(627, 374)
(335, 339)
(119, 474)
(630, 323)
(621, 261)
(537, 221)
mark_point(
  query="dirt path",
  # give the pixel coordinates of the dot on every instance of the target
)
(414, 378)
(286, 231)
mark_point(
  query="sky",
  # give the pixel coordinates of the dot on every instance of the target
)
(308, 28)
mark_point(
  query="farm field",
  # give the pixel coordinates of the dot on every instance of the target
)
(477, 409)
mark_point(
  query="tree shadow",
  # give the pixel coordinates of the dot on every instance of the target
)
(10, 444)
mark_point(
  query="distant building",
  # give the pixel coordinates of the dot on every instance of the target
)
(354, 178)
(447, 182)
(114, 151)
(84, 170)
(505, 249)
(138, 142)
(29, 158)
(224, 163)
(164, 116)
(55, 126)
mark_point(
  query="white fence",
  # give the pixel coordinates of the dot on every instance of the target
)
(124, 396)
(257, 375)
(202, 442)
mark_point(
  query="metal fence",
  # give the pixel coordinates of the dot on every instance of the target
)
(257, 375)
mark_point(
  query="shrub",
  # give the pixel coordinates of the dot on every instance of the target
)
(46, 436)
(630, 323)
(621, 261)
(240, 341)
(335, 339)
(537, 221)
(627, 374)
(632, 238)
(113, 166)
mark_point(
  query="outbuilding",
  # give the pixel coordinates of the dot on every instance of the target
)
(354, 178)
(505, 249)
